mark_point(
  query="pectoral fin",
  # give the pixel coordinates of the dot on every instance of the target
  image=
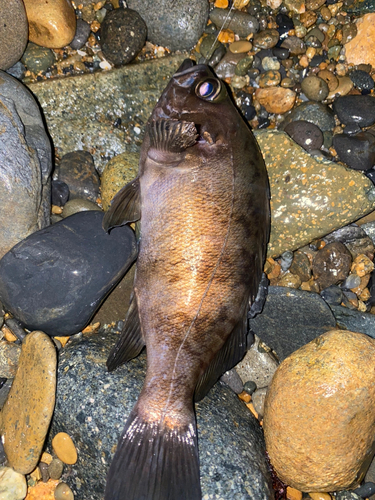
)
(172, 136)
(125, 207)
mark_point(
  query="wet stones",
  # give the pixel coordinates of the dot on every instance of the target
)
(306, 134)
(276, 99)
(240, 22)
(9, 356)
(314, 88)
(120, 170)
(362, 80)
(123, 34)
(12, 484)
(328, 393)
(355, 109)
(14, 32)
(29, 406)
(331, 264)
(359, 50)
(357, 151)
(64, 448)
(77, 170)
(314, 112)
(60, 261)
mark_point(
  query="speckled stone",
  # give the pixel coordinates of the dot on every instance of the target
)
(231, 446)
(329, 394)
(277, 99)
(350, 319)
(240, 22)
(37, 58)
(308, 316)
(315, 112)
(9, 356)
(266, 39)
(310, 196)
(14, 32)
(361, 49)
(28, 409)
(306, 134)
(119, 171)
(77, 170)
(314, 88)
(12, 484)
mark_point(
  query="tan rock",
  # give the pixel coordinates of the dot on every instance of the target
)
(361, 49)
(277, 99)
(319, 419)
(120, 170)
(64, 448)
(12, 484)
(51, 24)
(13, 33)
(29, 406)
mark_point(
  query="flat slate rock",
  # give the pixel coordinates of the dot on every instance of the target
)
(353, 320)
(56, 279)
(92, 406)
(291, 319)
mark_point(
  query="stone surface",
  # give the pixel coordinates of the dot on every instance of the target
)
(357, 151)
(310, 196)
(306, 134)
(361, 49)
(119, 171)
(314, 88)
(315, 112)
(51, 24)
(56, 279)
(231, 446)
(331, 264)
(79, 205)
(28, 409)
(177, 27)
(64, 448)
(328, 393)
(351, 319)
(36, 58)
(240, 22)
(276, 100)
(77, 170)
(25, 165)
(9, 356)
(355, 109)
(12, 484)
(14, 32)
(291, 319)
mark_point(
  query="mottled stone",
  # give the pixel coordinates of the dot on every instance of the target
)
(266, 39)
(51, 24)
(14, 32)
(56, 278)
(28, 409)
(354, 320)
(25, 164)
(63, 492)
(231, 448)
(314, 88)
(77, 170)
(310, 196)
(55, 468)
(291, 319)
(240, 22)
(119, 171)
(81, 35)
(177, 27)
(362, 80)
(361, 49)
(37, 58)
(12, 484)
(9, 356)
(331, 264)
(329, 395)
(276, 100)
(315, 112)
(355, 239)
(295, 45)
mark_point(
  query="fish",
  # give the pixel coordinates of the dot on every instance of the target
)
(201, 198)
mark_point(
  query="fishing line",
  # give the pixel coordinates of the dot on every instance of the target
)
(210, 52)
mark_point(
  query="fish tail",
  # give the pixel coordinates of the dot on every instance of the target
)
(154, 461)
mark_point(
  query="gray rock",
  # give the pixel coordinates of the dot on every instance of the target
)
(233, 380)
(231, 445)
(25, 164)
(79, 205)
(9, 356)
(258, 398)
(347, 495)
(354, 238)
(177, 26)
(291, 319)
(240, 22)
(14, 32)
(315, 112)
(353, 320)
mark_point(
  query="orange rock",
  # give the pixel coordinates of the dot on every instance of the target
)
(320, 496)
(221, 4)
(323, 441)
(276, 99)
(362, 265)
(293, 494)
(42, 491)
(226, 36)
(361, 49)
(244, 396)
(64, 448)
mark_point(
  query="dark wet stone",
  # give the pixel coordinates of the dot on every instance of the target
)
(55, 468)
(306, 134)
(371, 175)
(208, 45)
(352, 281)
(266, 39)
(354, 238)
(354, 320)
(295, 45)
(357, 151)
(77, 205)
(301, 266)
(77, 170)
(331, 264)
(355, 109)
(243, 66)
(56, 279)
(281, 53)
(59, 193)
(178, 26)
(240, 22)
(232, 380)
(284, 25)
(313, 112)
(250, 387)
(291, 319)
(347, 495)
(82, 33)
(362, 80)
(217, 56)
(18, 71)
(316, 60)
(231, 444)
(123, 34)
(314, 88)
(227, 66)
(332, 295)
(317, 33)
(352, 129)
(37, 58)
(366, 490)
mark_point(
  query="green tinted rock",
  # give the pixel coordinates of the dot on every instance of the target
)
(119, 171)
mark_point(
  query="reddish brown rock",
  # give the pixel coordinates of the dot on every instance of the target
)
(331, 264)
(361, 48)
(276, 99)
(319, 418)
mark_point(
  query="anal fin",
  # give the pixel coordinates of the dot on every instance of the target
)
(131, 342)
(125, 206)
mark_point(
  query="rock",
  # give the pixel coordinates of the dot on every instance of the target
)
(290, 319)
(14, 32)
(294, 44)
(28, 409)
(123, 34)
(313, 112)
(331, 264)
(56, 278)
(64, 448)
(55, 468)
(366, 490)
(63, 492)
(277, 99)
(179, 27)
(258, 399)
(232, 380)
(295, 185)
(357, 151)
(362, 80)
(354, 238)
(18, 71)
(25, 165)
(257, 366)
(227, 66)
(232, 460)
(81, 35)
(314, 88)
(59, 193)
(79, 205)
(12, 484)
(329, 396)
(37, 58)
(351, 319)
(77, 170)
(266, 39)
(119, 171)
(360, 49)
(332, 295)
(306, 134)
(240, 22)
(355, 109)
(9, 356)
(301, 266)
(51, 24)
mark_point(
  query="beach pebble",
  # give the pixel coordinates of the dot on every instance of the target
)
(266, 39)
(178, 27)
(348, 495)
(55, 468)
(9, 356)
(241, 23)
(240, 47)
(51, 24)
(13, 485)
(81, 35)
(331, 264)
(123, 34)
(63, 492)
(301, 266)
(37, 58)
(314, 88)
(349, 31)
(345, 85)
(355, 109)
(361, 48)
(332, 295)
(330, 395)
(330, 79)
(269, 78)
(59, 261)
(306, 134)
(59, 193)
(64, 448)
(357, 151)
(315, 112)
(362, 80)
(14, 32)
(276, 99)
(233, 380)
(120, 170)
(79, 205)
(258, 398)
(29, 406)
(77, 170)
(295, 45)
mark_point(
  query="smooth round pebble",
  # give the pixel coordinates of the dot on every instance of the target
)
(266, 39)
(270, 63)
(306, 134)
(240, 47)
(315, 112)
(55, 468)
(276, 99)
(357, 151)
(314, 88)
(352, 281)
(330, 79)
(269, 79)
(78, 205)
(331, 264)
(63, 492)
(243, 66)
(295, 45)
(37, 58)
(82, 33)
(355, 109)
(332, 295)
(362, 80)
(240, 22)
(64, 448)
(208, 45)
(250, 387)
(345, 85)
(59, 193)
(14, 32)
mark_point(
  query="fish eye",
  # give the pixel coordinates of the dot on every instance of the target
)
(209, 89)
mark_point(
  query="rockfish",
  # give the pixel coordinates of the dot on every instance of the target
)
(202, 197)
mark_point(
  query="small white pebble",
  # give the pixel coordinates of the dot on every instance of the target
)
(105, 65)
(137, 130)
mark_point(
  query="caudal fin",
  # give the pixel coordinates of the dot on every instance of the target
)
(154, 462)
